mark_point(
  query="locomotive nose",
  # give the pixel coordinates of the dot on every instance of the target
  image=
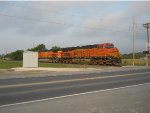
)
(116, 52)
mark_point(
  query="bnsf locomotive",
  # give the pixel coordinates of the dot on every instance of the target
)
(98, 54)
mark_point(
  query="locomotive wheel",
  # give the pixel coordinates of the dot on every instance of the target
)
(101, 62)
(91, 62)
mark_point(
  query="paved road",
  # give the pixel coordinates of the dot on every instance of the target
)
(28, 89)
(133, 99)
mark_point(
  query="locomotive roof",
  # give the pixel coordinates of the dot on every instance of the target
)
(84, 47)
(81, 47)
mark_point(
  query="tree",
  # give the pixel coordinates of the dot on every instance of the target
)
(17, 55)
(55, 48)
(40, 47)
(130, 55)
(2, 56)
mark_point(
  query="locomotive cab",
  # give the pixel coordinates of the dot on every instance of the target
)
(108, 46)
(105, 45)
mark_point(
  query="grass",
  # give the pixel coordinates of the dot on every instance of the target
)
(10, 64)
(138, 62)
(14, 64)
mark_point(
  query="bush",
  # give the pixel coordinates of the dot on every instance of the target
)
(39, 47)
(17, 55)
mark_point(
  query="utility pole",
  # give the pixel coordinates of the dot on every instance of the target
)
(133, 49)
(147, 26)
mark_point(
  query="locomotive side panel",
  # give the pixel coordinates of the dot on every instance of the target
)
(44, 55)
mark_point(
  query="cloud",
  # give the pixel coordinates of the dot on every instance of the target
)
(30, 20)
(72, 23)
(142, 7)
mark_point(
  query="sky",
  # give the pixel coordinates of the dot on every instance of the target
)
(25, 24)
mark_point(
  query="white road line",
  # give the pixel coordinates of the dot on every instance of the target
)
(21, 103)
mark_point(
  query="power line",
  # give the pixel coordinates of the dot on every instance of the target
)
(48, 11)
(69, 25)
(58, 23)
(133, 36)
(33, 8)
(32, 19)
(51, 22)
(147, 26)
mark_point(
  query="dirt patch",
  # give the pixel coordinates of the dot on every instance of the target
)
(50, 71)
(40, 72)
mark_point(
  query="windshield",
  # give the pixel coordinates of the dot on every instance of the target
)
(109, 46)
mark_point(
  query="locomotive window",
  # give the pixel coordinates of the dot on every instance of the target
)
(109, 46)
(100, 46)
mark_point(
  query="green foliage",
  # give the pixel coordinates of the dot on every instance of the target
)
(17, 55)
(55, 48)
(129, 56)
(137, 62)
(2, 56)
(40, 47)
(4, 64)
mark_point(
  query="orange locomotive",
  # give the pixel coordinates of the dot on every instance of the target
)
(100, 54)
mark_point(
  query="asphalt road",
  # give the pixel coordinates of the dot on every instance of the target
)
(19, 90)
(133, 99)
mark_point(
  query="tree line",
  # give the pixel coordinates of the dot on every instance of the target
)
(18, 54)
(138, 55)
